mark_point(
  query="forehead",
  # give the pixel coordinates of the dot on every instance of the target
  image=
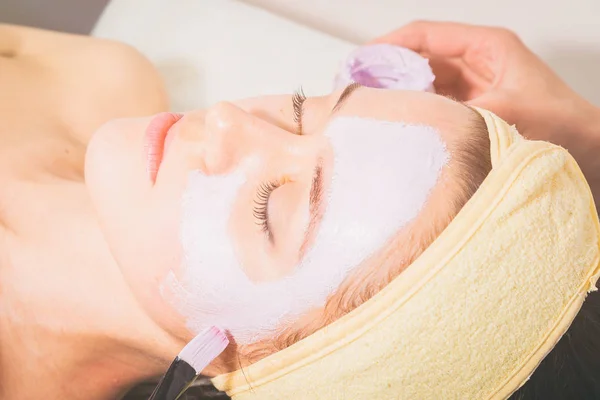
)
(411, 107)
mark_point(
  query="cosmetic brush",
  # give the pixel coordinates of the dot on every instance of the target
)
(186, 367)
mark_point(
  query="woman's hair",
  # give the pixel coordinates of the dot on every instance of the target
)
(571, 371)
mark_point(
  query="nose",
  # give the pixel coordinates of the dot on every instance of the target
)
(234, 138)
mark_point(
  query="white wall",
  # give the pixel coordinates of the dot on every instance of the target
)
(77, 16)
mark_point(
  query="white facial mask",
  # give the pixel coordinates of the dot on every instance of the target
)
(382, 175)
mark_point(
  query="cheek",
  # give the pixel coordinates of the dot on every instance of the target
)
(139, 226)
(114, 167)
(147, 250)
(140, 222)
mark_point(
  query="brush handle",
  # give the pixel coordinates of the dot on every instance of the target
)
(176, 380)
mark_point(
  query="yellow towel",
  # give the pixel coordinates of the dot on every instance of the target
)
(476, 313)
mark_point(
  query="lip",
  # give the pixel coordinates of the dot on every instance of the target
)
(156, 140)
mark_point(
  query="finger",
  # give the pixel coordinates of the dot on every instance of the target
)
(454, 78)
(440, 39)
(448, 75)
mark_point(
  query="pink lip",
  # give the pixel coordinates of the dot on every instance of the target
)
(156, 138)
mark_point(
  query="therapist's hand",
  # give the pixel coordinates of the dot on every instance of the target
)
(493, 69)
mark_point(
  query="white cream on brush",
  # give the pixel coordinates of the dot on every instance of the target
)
(382, 175)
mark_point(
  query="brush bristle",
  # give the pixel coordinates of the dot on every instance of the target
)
(204, 348)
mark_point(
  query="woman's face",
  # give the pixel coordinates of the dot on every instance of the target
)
(137, 171)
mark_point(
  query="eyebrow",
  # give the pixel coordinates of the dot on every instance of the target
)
(315, 201)
(345, 95)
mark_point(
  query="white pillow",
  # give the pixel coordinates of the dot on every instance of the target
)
(212, 50)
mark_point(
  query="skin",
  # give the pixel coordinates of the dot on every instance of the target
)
(79, 306)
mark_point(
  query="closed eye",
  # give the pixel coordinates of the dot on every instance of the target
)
(261, 207)
(297, 103)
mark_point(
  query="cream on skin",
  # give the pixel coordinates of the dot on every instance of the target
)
(382, 175)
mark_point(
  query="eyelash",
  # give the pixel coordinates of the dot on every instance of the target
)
(297, 103)
(261, 204)
(264, 191)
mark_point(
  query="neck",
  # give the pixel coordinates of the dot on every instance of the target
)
(71, 368)
(69, 325)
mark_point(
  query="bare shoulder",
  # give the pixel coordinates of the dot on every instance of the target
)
(97, 72)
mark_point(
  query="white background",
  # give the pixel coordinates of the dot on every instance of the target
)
(566, 33)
